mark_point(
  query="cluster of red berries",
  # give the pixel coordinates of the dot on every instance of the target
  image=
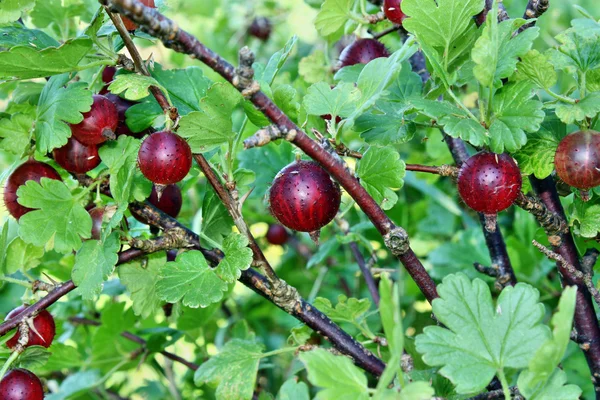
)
(18, 383)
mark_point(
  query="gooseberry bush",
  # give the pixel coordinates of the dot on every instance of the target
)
(337, 199)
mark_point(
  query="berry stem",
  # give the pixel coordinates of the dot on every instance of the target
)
(17, 282)
(461, 105)
(13, 356)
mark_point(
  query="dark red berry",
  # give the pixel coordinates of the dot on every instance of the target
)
(122, 106)
(108, 74)
(97, 214)
(30, 170)
(129, 24)
(169, 203)
(277, 234)
(303, 197)
(577, 159)
(489, 182)
(362, 51)
(76, 157)
(43, 324)
(99, 124)
(393, 12)
(21, 384)
(260, 28)
(165, 158)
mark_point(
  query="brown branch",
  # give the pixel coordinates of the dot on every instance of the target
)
(443, 170)
(134, 338)
(534, 10)
(140, 65)
(552, 223)
(379, 35)
(395, 238)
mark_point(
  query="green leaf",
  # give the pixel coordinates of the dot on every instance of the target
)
(238, 257)
(497, 51)
(514, 114)
(22, 256)
(25, 62)
(391, 315)
(536, 67)
(62, 357)
(33, 357)
(556, 388)
(133, 86)
(337, 377)
(212, 126)
(333, 16)
(417, 391)
(190, 280)
(234, 370)
(140, 280)
(571, 113)
(126, 181)
(16, 34)
(75, 383)
(385, 125)
(277, 61)
(216, 222)
(588, 217)
(59, 105)
(57, 12)
(381, 171)
(10, 10)
(3, 247)
(185, 87)
(340, 101)
(293, 390)
(481, 339)
(577, 52)
(58, 216)
(285, 98)
(94, 263)
(266, 162)
(16, 133)
(314, 68)
(346, 310)
(543, 365)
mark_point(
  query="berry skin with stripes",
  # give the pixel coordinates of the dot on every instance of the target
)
(77, 157)
(577, 159)
(99, 124)
(489, 182)
(362, 52)
(303, 197)
(165, 158)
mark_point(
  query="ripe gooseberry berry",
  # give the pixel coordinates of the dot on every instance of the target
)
(260, 28)
(99, 124)
(122, 105)
(489, 183)
(29, 170)
(21, 384)
(577, 160)
(393, 11)
(76, 157)
(170, 201)
(108, 74)
(42, 333)
(303, 197)
(362, 51)
(277, 234)
(164, 158)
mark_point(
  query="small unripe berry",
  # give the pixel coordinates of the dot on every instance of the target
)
(21, 384)
(489, 182)
(260, 28)
(303, 197)
(43, 324)
(76, 157)
(99, 124)
(393, 11)
(577, 159)
(29, 170)
(362, 52)
(277, 234)
(165, 158)
(129, 24)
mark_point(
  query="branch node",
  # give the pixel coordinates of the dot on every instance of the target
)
(397, 241)
(174, 238)
(38, 285)
(266, 135)
(243, 78)
(285, 296)
(552, 223)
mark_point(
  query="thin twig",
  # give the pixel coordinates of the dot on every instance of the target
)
(534, 10)
(443, 170)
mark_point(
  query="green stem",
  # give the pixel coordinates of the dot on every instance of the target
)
(582, 87)
(317, 285)
(504, 382)
(111, 372)
(8, 363)
(210, 241)
(562, 98)
(461, 105)
(16, 281)
(278, 351)
(489, 104)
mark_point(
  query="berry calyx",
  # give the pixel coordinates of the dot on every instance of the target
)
(129, 24)
(303, 197)
(21, 384)
(99, 124)
(362, 52)
(489, 182)
(577, 160)
(260, 28)
(41, 332)
(170, 201)
(277, 234)
(393, 11)
(29, 170)
(76, 157)
(165, 158)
